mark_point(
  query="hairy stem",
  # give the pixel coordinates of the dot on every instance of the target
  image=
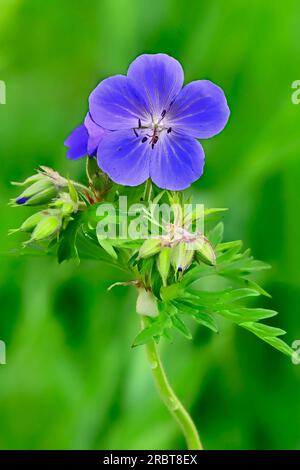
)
(169, 397)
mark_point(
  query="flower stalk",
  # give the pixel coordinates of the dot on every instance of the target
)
(169, 397)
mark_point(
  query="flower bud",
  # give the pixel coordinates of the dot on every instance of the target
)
(66, 204)
(41, 188)
(38, 193)
(67, 208)
(204, 251)
(146, 303)
(47, 227)
(32, 221)
(150, 247)
(39, 199)
(163, 264)
(182, 256)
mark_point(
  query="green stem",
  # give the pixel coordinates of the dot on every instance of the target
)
(169, 398)
(148, 190)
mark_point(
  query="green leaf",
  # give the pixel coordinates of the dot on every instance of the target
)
(170, 308)
(156, 283)
(230, 296)
(263, 331)
(67, 248)
(166, 334)
(125, 242)
(243, 314)
(229, 245)
(106, 245)
(89, 248)
(217, 298)
(230, 254)
(214, 210)
(200, 315)
(208, 215)
(253, 285)
(207, 320)
(181, 326)
(148, 333)
(196, 273)
(171, 292)
(269, 335)
(257, 265)
(277, 343)
(215, 235)
(157, 328)
(146, 269)
(186, 307)
(240, 266)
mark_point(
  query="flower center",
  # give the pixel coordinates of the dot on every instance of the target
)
(151, 131)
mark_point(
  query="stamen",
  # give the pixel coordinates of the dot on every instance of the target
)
(163, 113)
(169, 130)
(154, 140)
(144, 139)
(136, 134)
(139, 123)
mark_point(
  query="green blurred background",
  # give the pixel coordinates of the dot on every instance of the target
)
(71, 380)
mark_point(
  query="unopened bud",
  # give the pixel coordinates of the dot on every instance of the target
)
(32, 221)
(44, 197)
(47, 227)
(150, 247)
(65, 202)
(38, 193)
(67, 208)
(205, 251)
(163, 264)
(182, 256)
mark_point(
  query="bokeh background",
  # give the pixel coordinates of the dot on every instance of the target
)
(71, 380)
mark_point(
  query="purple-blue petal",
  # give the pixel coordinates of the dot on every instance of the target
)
(200, 110)
(22, 200)
(116, 104)
(124, 157)
(174, 163)
(77, 143)
(95, 135)
(178, 161)
(159, 78)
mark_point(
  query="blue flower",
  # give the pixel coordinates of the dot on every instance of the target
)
(155, 124)
(84, 140)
